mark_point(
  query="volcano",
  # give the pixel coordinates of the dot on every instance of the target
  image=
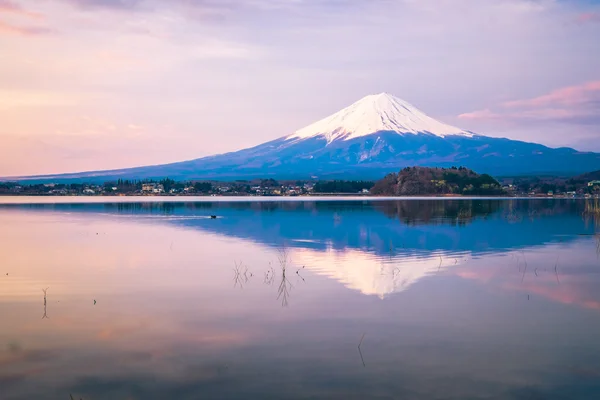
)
(374, 136)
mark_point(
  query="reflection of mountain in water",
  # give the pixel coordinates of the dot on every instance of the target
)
(424, 225)
(371, 274)
(376, 247)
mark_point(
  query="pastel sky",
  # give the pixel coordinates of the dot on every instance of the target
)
(96, 84)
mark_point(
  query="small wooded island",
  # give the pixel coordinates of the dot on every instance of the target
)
(425, 181)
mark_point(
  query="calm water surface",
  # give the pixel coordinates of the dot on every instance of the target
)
(414, 299)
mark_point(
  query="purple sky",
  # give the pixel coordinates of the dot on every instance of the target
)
(95, 84)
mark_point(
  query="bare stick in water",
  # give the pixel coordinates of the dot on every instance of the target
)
(361, 339)
(45, 313)
(285, 286)
(237, 275)
(360, 352)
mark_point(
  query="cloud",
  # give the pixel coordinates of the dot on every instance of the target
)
(12, 99)
(194, 63)
(25, 30)
(9, 6)
(219, 9)
(567, 96)
(136, 5)
(485, 114)
(588, 17)
(579, 104)
(113, 4)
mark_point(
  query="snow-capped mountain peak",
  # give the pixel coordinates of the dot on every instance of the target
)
(376, 113)
(377, 135)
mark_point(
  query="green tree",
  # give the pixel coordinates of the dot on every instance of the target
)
(203, 187)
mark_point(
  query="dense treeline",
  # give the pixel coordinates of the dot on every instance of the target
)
(121, 186)
(424, 181)
(263, 187)
(411, 181)
(555, 184)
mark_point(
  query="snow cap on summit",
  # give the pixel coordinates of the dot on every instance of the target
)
(376, 113)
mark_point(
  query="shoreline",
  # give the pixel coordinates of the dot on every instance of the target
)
(25, 200)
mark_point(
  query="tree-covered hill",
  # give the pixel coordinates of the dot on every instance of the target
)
(415, 181)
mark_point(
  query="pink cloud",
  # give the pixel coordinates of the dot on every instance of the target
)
(578, 103)
(486, 114)
(534, 114)
(9, 6)
(24, 30)
(570, 95)
(544, 113)
(549, 113)
(588, 17)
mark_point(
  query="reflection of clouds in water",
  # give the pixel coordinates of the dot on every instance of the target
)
(536, 270)
(20, 288)
(168, 324)
(17, 363)
(15, 352)
(565, 274)
(60, 355)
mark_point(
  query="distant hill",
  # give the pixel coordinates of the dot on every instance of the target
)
(415, 181)
(589, 176)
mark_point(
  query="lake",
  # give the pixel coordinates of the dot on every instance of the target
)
(339, 299)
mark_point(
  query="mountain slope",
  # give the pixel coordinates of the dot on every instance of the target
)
(372, 137)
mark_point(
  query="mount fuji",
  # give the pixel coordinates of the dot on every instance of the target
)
(366, 140)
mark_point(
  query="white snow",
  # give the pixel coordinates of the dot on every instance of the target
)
(376, 113)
